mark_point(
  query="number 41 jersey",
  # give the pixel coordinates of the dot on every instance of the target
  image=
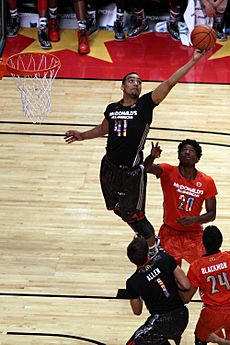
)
(128, 129)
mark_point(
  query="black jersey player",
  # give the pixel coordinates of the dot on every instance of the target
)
(127, 122)
(156, 281)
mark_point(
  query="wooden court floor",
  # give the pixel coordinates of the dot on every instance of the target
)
(63, 255)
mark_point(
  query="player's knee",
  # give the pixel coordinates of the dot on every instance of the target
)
(199, 342)
(143, 228)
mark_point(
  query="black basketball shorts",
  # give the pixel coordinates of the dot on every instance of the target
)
(124, 189)
(160, 327)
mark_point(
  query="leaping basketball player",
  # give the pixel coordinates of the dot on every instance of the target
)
(123, 176)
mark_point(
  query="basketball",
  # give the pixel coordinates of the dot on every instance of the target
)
(203, 37)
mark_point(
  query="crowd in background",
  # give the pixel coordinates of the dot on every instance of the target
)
(86, 14)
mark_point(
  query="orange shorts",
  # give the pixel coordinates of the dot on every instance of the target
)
(185, 245)
(212, 320)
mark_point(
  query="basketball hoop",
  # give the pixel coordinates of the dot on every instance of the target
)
(33, 74)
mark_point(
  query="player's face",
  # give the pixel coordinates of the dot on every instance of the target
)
(132, 86)
(188, 156)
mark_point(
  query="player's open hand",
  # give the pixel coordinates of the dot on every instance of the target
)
(156, 150)
(72, 135)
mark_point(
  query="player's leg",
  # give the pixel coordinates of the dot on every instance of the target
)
(192, 245)
(219, 21)
(175, 9)
(14, 21)
(159, 328)
(171, 241)
(148, 334)
(119, 34)
(43, 25)
(132, 205)
(139, 22)
(80, 10)
(53, 21)
(110, 183)
(209, 325)
(91, 14)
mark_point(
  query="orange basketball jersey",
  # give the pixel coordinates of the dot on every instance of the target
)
(211, 274)
(183, 197)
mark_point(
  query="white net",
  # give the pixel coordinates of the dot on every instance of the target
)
(33, 74)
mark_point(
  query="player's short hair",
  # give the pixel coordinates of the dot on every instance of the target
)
(194, 144)
(127, 76)
(212, 239)
(137, 251)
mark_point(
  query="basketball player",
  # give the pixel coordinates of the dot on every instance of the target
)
(123, 176)
(185, 189)
(211, 275)
(156, 282)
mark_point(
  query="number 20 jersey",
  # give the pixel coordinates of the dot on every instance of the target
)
(183, 197)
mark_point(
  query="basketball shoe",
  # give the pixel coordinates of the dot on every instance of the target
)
(91, 26)
(137, 28)
(14, 26)
(53, 30)
(153, 251)
(119, 34)
(83, 44)
(218, 26)
(43, 38)
(173, 30)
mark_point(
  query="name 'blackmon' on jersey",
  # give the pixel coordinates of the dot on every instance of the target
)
(128, 129)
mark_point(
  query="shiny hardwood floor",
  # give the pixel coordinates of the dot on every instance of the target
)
(63, 256)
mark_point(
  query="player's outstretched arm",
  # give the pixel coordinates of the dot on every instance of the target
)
(98, 131)
(165, 87)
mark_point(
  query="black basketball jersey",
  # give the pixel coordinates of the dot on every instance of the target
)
(155, 284)
(128, 129)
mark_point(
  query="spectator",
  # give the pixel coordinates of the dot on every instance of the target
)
(80, 10)
(176, 11)
(91, 16)
(216, 9)
(53, 22)
(14, 25)
(138, 20)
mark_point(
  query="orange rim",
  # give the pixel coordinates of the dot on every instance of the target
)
(20, 72)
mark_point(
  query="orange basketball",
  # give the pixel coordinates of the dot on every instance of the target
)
(203, 37)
